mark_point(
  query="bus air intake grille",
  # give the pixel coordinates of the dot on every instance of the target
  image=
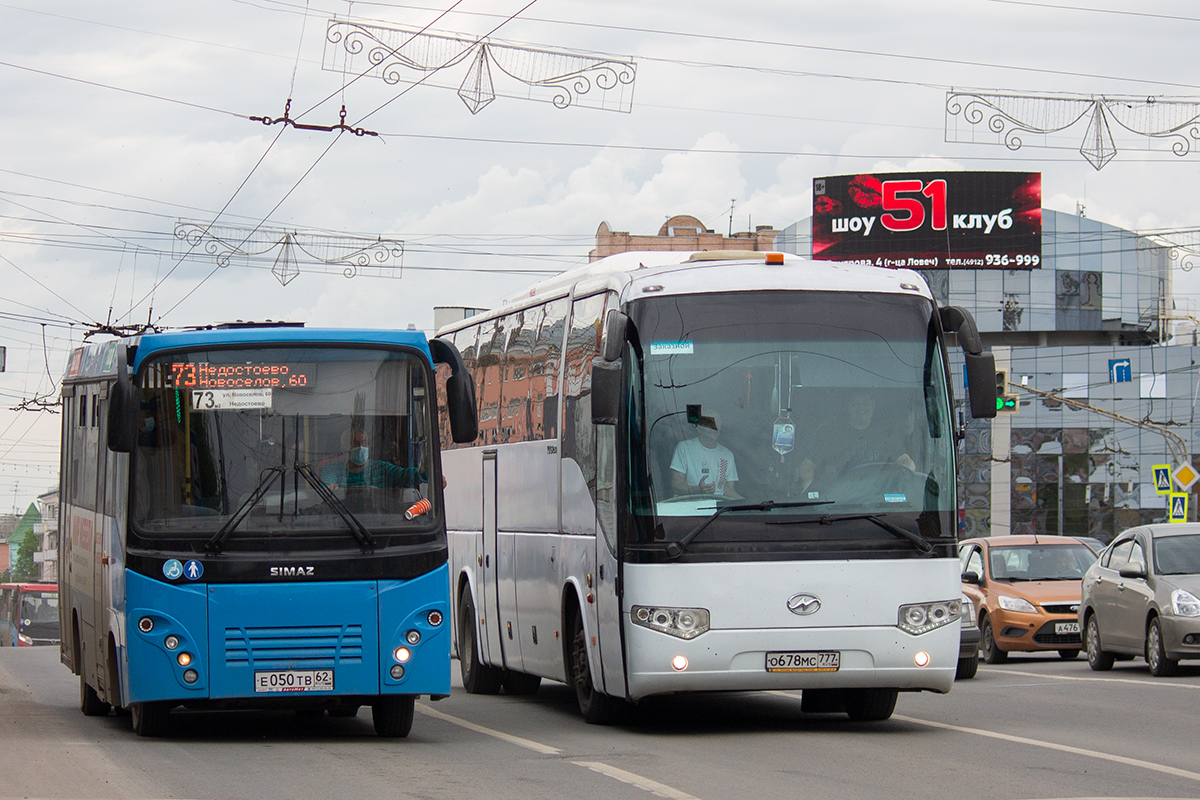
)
(294, 648)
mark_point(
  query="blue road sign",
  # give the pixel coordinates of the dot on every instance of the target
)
(1178, 508)
(1162, 478)
(1120, 370)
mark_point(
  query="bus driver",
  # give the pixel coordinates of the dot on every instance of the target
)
(702, 465)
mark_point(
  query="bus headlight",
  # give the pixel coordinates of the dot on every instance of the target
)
(435, 618)
(918, 618)
(183, 659)
(686, 623)
(402, 654)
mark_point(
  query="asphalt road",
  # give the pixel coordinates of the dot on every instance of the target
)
(1033, 728)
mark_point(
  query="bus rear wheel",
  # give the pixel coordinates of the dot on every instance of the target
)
(597, 708)
(477, 678)
(149, 719)
(393, 715)
(89, 702)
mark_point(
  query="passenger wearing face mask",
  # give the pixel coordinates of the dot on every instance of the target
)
(147, 433)
(359, 469)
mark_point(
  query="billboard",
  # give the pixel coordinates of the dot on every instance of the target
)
(930, 220)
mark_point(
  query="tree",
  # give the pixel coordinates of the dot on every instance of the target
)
(24, 570)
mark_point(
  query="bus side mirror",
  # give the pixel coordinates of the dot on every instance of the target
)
(460, 392)
(122, 408)
(980, 366)
(615, 326)
(606, 392)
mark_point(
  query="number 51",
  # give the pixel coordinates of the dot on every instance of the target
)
(892, 201)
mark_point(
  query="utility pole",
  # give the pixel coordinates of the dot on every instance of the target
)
(1175, 443)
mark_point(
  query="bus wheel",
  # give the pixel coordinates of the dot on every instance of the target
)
(597, 708)
(89, 702)
(393, 714)
(149, 719)
(870, 705)
(520, 683)
(477, 678)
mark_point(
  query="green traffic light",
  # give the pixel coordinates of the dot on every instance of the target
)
(1006, 403)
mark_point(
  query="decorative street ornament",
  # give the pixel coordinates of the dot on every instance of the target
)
(289, 253)
(1008, 119)
(285, 263)
(559, 77)
(1181, 247)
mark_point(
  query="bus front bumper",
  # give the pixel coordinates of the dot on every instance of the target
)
(736, 660)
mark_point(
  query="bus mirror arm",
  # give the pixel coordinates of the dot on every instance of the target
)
(606, 392)
(122, 408)
(460, 392)
(980, 366)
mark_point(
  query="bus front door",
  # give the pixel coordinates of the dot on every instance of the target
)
(489, 588)
(608, 596)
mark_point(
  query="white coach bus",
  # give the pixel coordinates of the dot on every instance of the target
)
(678, 485)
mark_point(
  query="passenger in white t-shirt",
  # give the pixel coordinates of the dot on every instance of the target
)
(702, 465)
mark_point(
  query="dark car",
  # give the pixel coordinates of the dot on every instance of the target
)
(1142, 598)
(968, 643)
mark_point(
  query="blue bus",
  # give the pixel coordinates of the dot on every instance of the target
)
(252, 517)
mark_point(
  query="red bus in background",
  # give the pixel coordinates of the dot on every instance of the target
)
(28, 614)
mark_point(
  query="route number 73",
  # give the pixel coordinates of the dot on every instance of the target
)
(893, 201)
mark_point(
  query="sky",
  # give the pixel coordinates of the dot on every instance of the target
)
(124, 121)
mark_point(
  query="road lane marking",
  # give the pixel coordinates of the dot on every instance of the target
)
(660, 789)
(654, 787)
(1141, 681)
(528, 744)
(1064, 748)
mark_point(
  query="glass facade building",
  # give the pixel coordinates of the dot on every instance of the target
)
(1107, 386)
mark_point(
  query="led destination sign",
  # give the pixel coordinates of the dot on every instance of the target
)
(263, 375)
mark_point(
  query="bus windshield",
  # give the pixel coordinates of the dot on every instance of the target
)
(796, 408)
(296, 442)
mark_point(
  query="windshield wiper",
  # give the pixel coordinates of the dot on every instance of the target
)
(922, 544)
(333, 501)
(675, 549)
(269, 476)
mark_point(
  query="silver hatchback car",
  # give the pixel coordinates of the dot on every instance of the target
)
(1142, 598)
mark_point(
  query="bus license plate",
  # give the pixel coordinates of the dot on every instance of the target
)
(298, 680)
(805, 661)
(1066, 627)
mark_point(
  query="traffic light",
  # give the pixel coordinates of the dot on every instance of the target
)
(1005, 402)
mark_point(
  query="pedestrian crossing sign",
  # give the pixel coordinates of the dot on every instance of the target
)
(1162, 478)
(1178, 507)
